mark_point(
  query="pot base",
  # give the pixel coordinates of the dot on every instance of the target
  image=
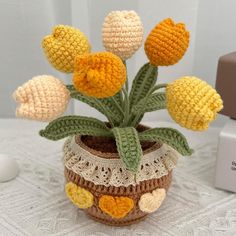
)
(115, 223)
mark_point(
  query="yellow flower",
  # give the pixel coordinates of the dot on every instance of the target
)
(99, 74)
(167, 43)
(192, 103)
(63, 45)
(116, 207)
(81, 197)
(122, 33)
(42, 98)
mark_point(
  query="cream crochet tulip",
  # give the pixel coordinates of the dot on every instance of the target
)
(42, 98)
(122, 33)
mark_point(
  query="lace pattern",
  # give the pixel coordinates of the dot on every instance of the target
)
(112, 172)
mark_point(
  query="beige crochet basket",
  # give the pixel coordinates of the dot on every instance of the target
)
(102, 173)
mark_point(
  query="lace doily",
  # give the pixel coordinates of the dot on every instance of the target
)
(112, 172)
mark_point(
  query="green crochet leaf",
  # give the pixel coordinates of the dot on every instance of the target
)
(169, 136)
(156, 101)
(71, 125)
(106, 105)
(143, 82)
(128, 146)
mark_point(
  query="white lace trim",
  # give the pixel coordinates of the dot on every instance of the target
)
(112, 172)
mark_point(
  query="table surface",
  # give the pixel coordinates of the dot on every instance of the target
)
(35, 203)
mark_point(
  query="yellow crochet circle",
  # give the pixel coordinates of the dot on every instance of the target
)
(192, 103)
(63, 45)
(116, 207)
(99, 74)
(79, 196)
(167, 43)
(122, 33)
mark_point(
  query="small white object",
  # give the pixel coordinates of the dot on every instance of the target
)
(225, 177)
(9, 168)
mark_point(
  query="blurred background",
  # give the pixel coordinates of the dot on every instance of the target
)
(23, 24)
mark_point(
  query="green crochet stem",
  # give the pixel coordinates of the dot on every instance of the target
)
(140, 113)
(127, 108)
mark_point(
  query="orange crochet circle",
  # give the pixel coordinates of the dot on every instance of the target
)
(116, 207)
(167, 43)
(99, 74)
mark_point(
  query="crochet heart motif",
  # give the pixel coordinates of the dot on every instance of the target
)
(116, 207)
(150, 202)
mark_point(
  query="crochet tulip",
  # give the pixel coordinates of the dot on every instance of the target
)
(99, 75)
(192, 103)
(63, 45)
(167, 43)
(122, 33)
(42, 98)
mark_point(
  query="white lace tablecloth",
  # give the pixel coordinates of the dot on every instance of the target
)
(35, 203)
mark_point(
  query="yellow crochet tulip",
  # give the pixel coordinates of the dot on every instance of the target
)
(99, 74)
(192, 103)
(63, 45)
(167, 43)
(81, 197)
(122, 33)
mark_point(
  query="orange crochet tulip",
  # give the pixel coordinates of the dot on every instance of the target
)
(99, 75)
(167, 43)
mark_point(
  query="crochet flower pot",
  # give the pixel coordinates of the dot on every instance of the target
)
(117, 170)
(119, 197)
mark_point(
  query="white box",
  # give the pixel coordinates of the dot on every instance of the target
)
(225, 177)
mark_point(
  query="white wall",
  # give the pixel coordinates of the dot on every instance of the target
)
(24, 23)
(215, 36)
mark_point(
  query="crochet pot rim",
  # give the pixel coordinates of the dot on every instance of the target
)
(152, 146)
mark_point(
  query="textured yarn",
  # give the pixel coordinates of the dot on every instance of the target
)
(63, 45)
(116, 207)
(150, 202)
(167, 43)
(81, 197)
(192, 103)
(99, 74)
(122, 33)
(42, 98)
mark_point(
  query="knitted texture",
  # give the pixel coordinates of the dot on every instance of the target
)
(81, 197)
(192, 103)
(128, 146)
(167, 43)
(150, 202)
(116, 207)
(69, 125)
(63, 45)
(42, 98)
(122, 33)
(99, 74)
(109, 170)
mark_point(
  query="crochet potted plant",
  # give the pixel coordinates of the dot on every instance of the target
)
(118, 170)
